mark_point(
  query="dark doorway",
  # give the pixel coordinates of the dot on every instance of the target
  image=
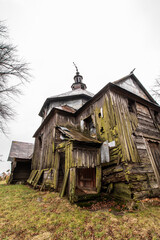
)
(22, 171)
(61, 170)
(86, 178)
(155, 150)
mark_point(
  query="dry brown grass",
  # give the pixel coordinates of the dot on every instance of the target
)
(32, 215)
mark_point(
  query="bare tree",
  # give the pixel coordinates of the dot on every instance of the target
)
(156, 89)
(13, 73)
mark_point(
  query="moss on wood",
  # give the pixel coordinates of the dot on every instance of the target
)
(72, 184)
(121, 191)
(64, 183)
(56, 170)
(98, 178)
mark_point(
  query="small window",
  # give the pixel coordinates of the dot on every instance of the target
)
(156, 117)
(40, 141)
(131, 105)
(79, 79)
(90, 126)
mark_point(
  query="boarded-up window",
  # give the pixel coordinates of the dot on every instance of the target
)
(86, 178)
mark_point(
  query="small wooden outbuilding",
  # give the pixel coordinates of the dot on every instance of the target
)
(20, 156)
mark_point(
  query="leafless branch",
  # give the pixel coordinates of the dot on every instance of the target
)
(156, 89)
(14, 72)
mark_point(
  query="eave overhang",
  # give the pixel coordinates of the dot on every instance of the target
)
(55, 99)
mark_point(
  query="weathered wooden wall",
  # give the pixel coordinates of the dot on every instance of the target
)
(43, 157)
(86, 157)
(129, 174)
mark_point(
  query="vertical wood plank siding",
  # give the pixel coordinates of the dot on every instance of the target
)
(129, 161)
(83, 157)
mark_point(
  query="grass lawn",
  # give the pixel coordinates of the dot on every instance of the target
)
(30, 214)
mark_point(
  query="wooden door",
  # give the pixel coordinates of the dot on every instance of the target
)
(155, 150)
(86, 178)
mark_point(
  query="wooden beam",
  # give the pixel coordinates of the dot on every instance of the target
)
(64, 183)
(98, 178)
(72, 184)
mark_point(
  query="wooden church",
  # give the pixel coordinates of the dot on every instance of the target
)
(108, 142)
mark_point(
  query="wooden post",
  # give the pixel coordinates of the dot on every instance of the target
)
(98, 178)
(56, 170)
(64, 183)
(72, 184)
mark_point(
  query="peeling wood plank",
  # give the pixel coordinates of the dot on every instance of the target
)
(64, 183)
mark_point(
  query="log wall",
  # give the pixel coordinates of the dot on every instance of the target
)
(129, 174)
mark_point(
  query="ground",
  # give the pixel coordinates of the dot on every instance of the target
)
(29, 214)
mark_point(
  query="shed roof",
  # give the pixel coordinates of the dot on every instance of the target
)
(75, 135)
(21, 150)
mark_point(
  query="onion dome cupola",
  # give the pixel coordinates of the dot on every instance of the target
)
(69, 101)
(78, 84)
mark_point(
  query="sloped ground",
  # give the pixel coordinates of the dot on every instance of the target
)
(32, 215)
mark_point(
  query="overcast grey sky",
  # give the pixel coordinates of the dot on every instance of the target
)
(105, 38)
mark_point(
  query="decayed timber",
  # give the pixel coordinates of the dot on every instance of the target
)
(69, 142)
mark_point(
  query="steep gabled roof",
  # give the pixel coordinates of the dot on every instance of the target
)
(135, 86)
(20, 150)
(116, 88)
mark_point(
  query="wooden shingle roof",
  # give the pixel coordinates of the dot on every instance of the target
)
(21, 150)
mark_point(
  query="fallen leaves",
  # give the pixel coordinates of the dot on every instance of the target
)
(27, 214)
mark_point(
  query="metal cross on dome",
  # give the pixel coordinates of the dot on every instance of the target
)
(76, 68)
